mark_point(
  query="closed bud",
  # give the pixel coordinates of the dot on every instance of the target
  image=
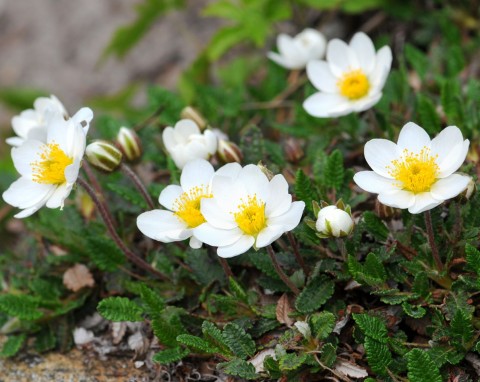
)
(334, 222)
(193, 114)
(385, 212)
(293, 150)
(229, 152)
(129, 144)
(103, 155)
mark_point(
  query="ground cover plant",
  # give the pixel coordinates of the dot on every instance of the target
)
(303, 208)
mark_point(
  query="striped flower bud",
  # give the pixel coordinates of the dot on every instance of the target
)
(229, 152)
(193, 114)
(129, 144)
(103, 155)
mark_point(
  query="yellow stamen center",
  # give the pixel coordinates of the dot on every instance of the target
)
(250, 216)
(50, 169)
(187, 206)
(354, 85)
(417, 172)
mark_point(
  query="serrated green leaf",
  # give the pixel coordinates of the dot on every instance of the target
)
(427, 114)
(304, 189)
(461, 327)
(315, 294)
(239, 341)
(167, 328)
(205, 268)
(13, 345)
(421, 367)
(378, 355)
(215, 337)
(21, 306)
(414, 311)
(240, 368)
(291, 361)
(329, 354)
(372, 327)
(450, 93)
(197, 343)
(152, 301)
(128, 193)
(167, 356)
(105, 253)
(118, 309)
(334, 171)
(473, 258)
(374, 271)
(375, 226)
(45, 340)
(322, 324)
(417, 59)
(237, 290)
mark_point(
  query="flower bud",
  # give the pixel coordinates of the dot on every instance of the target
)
(229, 152)
(293, 150)
(385, 212)
(103, 155)
(468, 192)
(129, 144)
(193, 114)
(334, 222)
(265, 170)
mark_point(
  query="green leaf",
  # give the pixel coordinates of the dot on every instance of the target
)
(105, 253)
(415, 312)
(128, 193)
(239, 341)
(239, 367)
(20, 98)
(167, 328)
(375, 226)
(223, 40)
(427, 114)
(215, 337)
(13, 345)
(329, 354)
(417, 59)
(451, 102)
(237, 290)
(304, 189)
(21, 306)
(292, 361)
(378, 355)
(461, 327)
(322, 324)
(205, 267)
(421, 367)
(334, 171)
(473, 258)
(152, 301)
(119, 309)
(373, 270)
(167, 356)
(45, 340)
(372, 327)
(315, 294)
(197, 343)
(148, 12)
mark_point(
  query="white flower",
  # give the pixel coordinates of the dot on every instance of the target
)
(32, 123)
(185, 142)
(333, 221)
(183, 217)
(246, 210)
(48, 169)
(350, 80)
(416, 173)
(295, 52)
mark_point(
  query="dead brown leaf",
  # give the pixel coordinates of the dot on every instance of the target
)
(78, 277)
(283, 309)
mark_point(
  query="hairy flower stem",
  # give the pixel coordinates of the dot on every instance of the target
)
(281, 273)
(127, 170)
(297, 254)
(431, 241)
(108, 220)
(226, 268)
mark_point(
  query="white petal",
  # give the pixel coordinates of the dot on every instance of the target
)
(71, 171)
(59, 195)
(24, 122)
(254, 181)
(163, 226)
(413, 138)
(365, 51)
(450, 186)
(28, 211)
(341, 57)
(284, 61)
(290, 219)
(242, 245)
(382, 68)
(379, 153)
(195, 243)
(230, 170)
(61, 132)
(227, 192)
(321, 77)
(14, 141)
(286, 46)
(83, 117)
(268, 235)
(366, 102)
(25, 193)
(210, 141)
(279, 200)
(370, 181)
(315, 45)
(168, 196)
(28, 153)
(215, 236)
(451, 150)
(398, 199)
(186, 127)
(168, 138)
(215, 215)
(423, 202)
(196, 173)
(326, 105)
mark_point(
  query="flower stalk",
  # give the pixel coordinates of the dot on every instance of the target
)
(108, 220)
(280, 272)
(127, 170)
(431, 240)
(297, 254)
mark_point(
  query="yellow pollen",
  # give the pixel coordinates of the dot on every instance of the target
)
(354, 85)
(250, 216)
(416, 172)
(50, 169)
(187, 206)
